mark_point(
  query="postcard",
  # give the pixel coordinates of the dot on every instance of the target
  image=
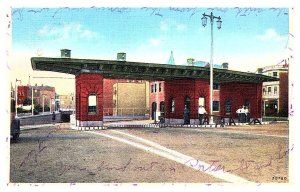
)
(149, 97)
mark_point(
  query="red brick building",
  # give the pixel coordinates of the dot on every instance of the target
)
(23, 94)
(275, 93)
(42, 95)
(176, 87)
(168, 98)
(89, 99)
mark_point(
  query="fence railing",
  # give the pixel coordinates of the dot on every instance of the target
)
(125, 111)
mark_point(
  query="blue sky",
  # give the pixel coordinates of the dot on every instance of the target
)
(249, 38)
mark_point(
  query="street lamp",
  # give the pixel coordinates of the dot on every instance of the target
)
(50, 102)
(16, 97)
(43, 103)
(204, 23)
(32, 97)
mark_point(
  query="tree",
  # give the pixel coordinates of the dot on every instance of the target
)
(27, 101)
(38, 108)
(46, 108)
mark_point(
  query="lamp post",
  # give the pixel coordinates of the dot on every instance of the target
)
(43, 104)
(16, 97)
(50, 103)
(31, 100)
(32, 97)
(219, 23)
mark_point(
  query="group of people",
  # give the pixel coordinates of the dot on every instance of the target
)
(243, 114)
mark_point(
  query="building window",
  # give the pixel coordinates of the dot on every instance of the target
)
(264, 91)
(275, 74)
(216, 86)
(228, 106)
(216, 105)
(152, 88)
(201, 101)
(269, 90)
(153, 113)
(155, 88)
(172, 109)
(92, 103)
(159, 87)
(275, 90)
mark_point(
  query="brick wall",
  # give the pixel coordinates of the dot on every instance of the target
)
(239, 94)
(283, 94)
(86, 84)
(108, 84)
(23, 93)
(179, 90)
(130, 98)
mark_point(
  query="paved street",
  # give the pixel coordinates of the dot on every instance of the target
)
(56, 153)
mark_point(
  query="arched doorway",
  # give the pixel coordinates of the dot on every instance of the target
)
(186, 112)
(153, 111)
(162, 108)
(228, 106)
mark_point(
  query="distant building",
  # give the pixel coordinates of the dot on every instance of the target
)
(23, 94)
(42, 95)
(275, 93)
(131, 98)
(108, 96)
(67, 102)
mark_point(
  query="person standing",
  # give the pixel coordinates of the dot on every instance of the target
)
(201, 112)
(53, 117)
(240, 114)
(247, 114)
(186, 115)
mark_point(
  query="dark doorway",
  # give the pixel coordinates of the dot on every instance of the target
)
(186, 111)
(162, 111)
(162, 108)
(153, 111)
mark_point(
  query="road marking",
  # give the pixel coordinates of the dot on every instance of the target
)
(175, 156)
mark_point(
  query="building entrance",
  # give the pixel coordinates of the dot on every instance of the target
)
(186, 111)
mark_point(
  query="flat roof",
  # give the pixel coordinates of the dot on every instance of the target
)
(143, 71)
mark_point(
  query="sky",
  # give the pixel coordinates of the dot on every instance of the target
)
(249, 37)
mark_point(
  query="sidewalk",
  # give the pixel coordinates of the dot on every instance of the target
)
(27, 127)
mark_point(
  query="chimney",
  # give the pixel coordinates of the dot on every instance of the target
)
(224, 65)
(190, 61)
(259, 70)
(65, 53)
(121, 56)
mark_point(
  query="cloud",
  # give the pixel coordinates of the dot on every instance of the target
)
(155, 42)
(271, 34)
(164, 26)
(66, 32)
(167, 25)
